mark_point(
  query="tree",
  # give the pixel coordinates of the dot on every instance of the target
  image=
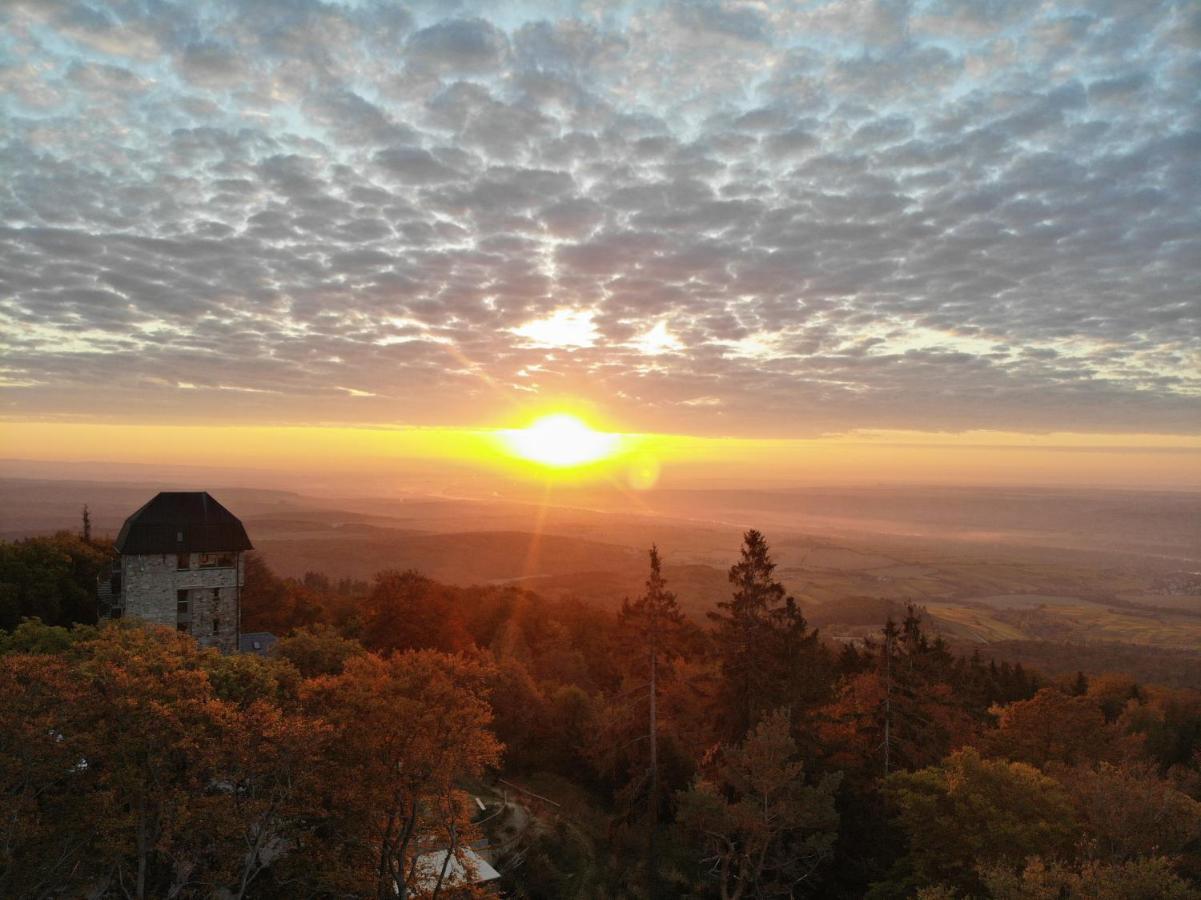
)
(763, 829)
(900, 711)
(407, 611)
(155, 739)
(46, 817)
(1051, 727)
(1079, 685)
(317, 650)
(1129, 812)
(271, 603)
(522, 716)
(1167, 725)
(970, 811)
(51, 578)
(1150, 878)
(406, 730)
(274, 772)
(769, 658)
(652, 623)
(1113, 692)
(32, 636)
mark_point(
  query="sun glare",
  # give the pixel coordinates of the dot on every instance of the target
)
(561, 441)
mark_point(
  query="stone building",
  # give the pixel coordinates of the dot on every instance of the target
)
(182, 565)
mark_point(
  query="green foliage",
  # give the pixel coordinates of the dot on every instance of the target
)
(316, 650)
(1150, 878)
(51, 578)
(35, 637)
(970, 811)
(1128, 812)
(246, 678)
(765, 830)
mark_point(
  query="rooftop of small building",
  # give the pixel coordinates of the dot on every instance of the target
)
(182, 522)
(259, 642)
(433, 867)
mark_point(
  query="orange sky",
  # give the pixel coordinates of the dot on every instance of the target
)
(642, 461)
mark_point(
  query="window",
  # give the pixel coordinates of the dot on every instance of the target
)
(217, 560)
(216, 594)
(216, 626)
(181, 604)
(183, 560)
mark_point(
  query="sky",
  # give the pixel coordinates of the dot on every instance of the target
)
(720, 220)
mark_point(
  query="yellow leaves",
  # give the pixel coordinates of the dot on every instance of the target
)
(179, 759)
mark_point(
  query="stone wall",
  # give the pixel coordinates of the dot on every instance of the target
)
(150, 588)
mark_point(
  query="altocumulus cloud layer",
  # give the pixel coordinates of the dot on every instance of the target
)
(751, 218)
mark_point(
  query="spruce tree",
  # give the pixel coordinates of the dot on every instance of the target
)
(769, 657)
(653, 621)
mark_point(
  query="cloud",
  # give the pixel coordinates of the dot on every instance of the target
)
(699, 216)
(461, 46)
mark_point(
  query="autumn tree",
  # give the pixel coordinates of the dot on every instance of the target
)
(407, 611)
(1167, 725)
(47, 823)
(278, 605)
(763, 829)
(1128, 811)
(274, 768)
(406, 730)
(154, 739)
(969, 811)
(265, 603)
(1112, 692)
(900, 711)
(1149, 878)
(1051, 727)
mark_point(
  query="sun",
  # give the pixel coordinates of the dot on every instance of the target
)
(560, 441)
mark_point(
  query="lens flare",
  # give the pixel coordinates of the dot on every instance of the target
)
(561, 441)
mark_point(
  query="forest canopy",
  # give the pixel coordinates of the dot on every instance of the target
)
(635, 754)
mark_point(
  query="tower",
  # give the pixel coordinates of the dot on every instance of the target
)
(182, 565)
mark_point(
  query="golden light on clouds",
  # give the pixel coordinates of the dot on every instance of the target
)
(563, 328)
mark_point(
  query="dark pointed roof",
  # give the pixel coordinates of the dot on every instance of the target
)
(182, 522)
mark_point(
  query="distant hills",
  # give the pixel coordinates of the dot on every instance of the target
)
(990, 565)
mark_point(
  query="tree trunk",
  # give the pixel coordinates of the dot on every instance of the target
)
(652, 862)
(140, 888)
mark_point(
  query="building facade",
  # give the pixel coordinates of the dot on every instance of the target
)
(182, 565)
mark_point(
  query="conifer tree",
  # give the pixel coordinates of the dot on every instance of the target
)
(653, 622)
(769, 657)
